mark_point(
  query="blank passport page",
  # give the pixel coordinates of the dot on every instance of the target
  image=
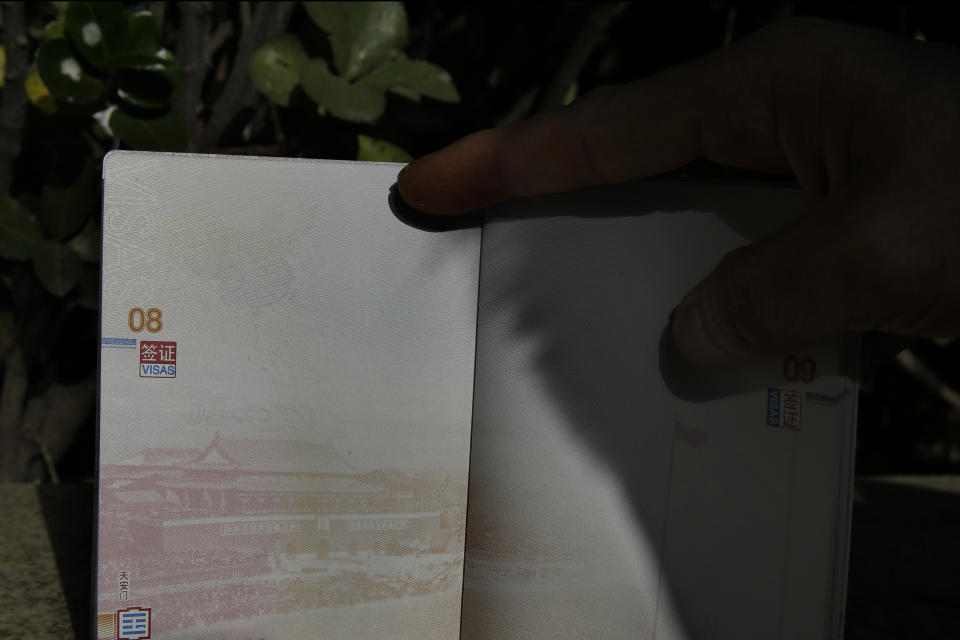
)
(286, 393)
(616, 491)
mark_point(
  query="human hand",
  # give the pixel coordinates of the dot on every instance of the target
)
(869, 125)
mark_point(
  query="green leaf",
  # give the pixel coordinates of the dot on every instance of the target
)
(19, 231)
(167, 133)
(143, 62)
(62, 74)
(64, 210)
(374, 150)
(363, 35)
(146, 81)
(57, 267)
(54, 30)
(409, 94)
(411, 78)
(86, 244)
(150, 87)
(141, 35)
(38, 93)
(97, 30)
(334, 94)
(275, 67)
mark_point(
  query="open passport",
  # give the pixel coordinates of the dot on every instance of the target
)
(319, 419)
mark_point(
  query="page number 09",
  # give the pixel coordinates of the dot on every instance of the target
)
(151, 320)
(802, 369)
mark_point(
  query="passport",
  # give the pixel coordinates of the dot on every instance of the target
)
(321, 417)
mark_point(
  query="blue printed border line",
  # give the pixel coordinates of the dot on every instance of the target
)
(119, 343)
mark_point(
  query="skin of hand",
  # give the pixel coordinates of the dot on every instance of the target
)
(868, 123)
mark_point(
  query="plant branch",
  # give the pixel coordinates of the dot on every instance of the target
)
(26, 446)
(216, 40)
(158, 10)
(278, 134)
(268, 18)
(68, 408)
(590, 35)
(520, 109)
(928, 378)
(13, 106)
(51, 421)
(731, 23)
(194, 25)
(48, 460)
(12, 395)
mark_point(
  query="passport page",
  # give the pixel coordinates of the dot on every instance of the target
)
(616, 492)
(286, 393)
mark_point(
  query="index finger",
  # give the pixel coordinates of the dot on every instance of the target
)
(721, 107)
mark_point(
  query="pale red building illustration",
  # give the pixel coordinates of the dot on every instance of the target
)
(248, 528)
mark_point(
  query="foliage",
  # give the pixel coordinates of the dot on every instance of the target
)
(367, 39)
(373, 150)
(100, 58)
(94, 58)
(46, 239)
(102, 75)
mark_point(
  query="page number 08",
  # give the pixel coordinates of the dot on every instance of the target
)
(151, 319)
(802, 369)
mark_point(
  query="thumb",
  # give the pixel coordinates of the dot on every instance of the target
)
(765, 298)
